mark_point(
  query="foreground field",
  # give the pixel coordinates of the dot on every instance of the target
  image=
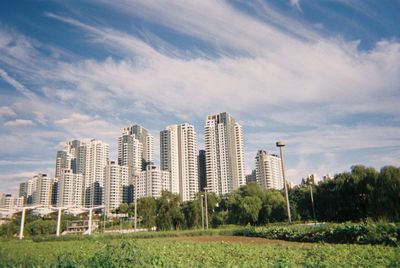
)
(204, 251)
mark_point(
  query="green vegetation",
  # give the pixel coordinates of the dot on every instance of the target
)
(354, 233)
(35, 225)
(227, 230)
(171, 253)
(361, 195)
(358, 195)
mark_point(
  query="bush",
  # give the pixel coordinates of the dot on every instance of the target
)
(346, 233)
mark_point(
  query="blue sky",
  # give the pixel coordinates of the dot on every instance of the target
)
(322, 75)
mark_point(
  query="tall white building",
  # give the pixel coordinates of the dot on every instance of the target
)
(39, 190)
(178, 155)
(135, 150)
(70, 189)
(224, 154)
(68, 157)
(116, 181)
(94, 156)
(152, 182)
(269, 171)
(142, 148)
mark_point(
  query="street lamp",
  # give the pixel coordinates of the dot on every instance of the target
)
(135, 175)
(281, 144)
(202, 211)
(206, 206)
(310, 183)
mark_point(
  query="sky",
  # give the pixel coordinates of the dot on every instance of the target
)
(324, 76)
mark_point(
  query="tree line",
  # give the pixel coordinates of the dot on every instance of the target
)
(359, 195)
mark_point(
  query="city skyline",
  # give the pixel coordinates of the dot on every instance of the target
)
(321, 75)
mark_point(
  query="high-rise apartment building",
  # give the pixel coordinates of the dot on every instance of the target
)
(269, 171)
(135, 150)
(62, 162)
(115, 182)
(39, 190)
(70, 189)
(152, 182)
(129, 151)
(143, 150)
(224, 154)
(178, 155)
(23, 191)
(68, 158)
(94, 156)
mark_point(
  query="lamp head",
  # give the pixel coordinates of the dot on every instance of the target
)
(280, 144)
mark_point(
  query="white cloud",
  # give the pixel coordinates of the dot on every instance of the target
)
(19, 122)
(40, 117)
(296, 4)
(81, 120)
(17, 85)
(7, 111)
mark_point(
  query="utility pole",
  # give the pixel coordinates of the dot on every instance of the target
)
(281, 144)
(205, 197)
(90, 221)
(310, 182)
(135, 176)
(202, 211)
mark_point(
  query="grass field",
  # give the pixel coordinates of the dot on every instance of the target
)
(193, 251)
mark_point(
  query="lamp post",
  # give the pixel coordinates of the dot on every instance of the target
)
(206, 206)
(135, 175)
(281, 144)
(202, 211)
(310, 182)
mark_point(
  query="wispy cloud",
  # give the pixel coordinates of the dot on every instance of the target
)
(7, 111)
(18, 122)
(17, 85)
(296, 4)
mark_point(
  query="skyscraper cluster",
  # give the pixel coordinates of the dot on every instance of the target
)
(85, 176)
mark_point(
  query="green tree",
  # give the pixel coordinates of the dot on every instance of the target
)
(273, 207)
(191, 211)
(250, 208)
(388, 193)
(169, 212)
(147, 211)
(123, 208)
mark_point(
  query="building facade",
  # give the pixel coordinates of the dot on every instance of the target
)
(152, 182)
(224, 154)
(116, 180)
(143, 150)
(269, 171)
(94, 155)
(70, 189)
(178, 155)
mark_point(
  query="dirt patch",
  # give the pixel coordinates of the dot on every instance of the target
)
(233, 239)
